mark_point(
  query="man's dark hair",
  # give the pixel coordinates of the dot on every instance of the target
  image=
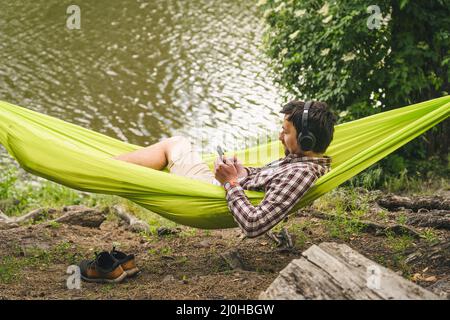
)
(321, 121)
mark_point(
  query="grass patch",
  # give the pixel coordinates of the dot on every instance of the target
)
(24, 192)
(163, 251)
(10, 268)
(383, 215)
(21, 196)
(297, 229)
(416, 184)
(347, 199)
(207, 233)
(422, 180)
(430, 236)
(348, 206)
(13, 265)
(189, 232)
(399, 246)
(344, 226)
(402, 218)
(107, 288)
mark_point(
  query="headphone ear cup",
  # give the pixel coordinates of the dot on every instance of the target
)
(307, 142)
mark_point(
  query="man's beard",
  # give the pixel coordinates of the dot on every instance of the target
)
(286, 152)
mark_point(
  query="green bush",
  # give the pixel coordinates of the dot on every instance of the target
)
(325, 50)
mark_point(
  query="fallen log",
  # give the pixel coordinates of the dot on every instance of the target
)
(335, 271)
(393, 202)
(134, 223)
(82, 216)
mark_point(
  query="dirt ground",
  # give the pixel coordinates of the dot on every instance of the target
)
(189, 263)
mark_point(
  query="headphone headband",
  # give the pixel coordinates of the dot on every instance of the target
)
(306, 139)
(305, 117)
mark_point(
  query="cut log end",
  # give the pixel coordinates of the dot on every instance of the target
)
(335, 271)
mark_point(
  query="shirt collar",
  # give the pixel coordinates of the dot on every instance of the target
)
(324, 161)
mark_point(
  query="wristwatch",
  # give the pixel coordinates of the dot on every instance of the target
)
(230, 184)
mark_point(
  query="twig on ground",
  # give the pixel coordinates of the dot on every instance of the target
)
(282, 239)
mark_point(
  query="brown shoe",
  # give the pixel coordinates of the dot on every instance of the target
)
(103, 269)
(127, 261)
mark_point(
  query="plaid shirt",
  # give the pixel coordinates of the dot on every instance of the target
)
(284, 181)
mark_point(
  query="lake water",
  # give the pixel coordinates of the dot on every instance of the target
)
(142, 70)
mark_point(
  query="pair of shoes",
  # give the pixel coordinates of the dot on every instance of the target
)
(109, 267)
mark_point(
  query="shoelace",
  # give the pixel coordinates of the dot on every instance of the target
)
(90, 265)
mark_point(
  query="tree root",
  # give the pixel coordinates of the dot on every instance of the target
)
(421, 211)
(74, 215)
(437, 254)
(13, 222)
(438, 219)
(392, 202)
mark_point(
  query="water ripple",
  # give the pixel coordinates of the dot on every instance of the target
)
(142, 71)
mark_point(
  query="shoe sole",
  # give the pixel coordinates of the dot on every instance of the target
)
(132, 272)
(101, 280)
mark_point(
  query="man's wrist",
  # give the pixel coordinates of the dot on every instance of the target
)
(230, 184)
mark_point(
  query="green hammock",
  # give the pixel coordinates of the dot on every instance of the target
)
(82, 159)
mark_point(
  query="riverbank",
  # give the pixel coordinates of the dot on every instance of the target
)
(179, 262)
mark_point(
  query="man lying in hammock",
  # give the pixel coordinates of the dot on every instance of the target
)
(306, 133)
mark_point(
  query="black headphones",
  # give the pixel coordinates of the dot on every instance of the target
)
(306, 139)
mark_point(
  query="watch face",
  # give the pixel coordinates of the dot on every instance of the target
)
(226, 185)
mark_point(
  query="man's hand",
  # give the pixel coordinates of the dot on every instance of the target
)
(239, 168)
(225, 170)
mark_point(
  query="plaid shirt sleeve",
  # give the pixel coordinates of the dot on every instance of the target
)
(281, 196)
(252, 170)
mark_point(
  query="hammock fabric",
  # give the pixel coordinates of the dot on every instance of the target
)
(82, 159)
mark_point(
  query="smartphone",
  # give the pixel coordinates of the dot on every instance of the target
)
(220, 151)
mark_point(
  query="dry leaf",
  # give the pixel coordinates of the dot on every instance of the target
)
(430, 279)
(416, 277)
